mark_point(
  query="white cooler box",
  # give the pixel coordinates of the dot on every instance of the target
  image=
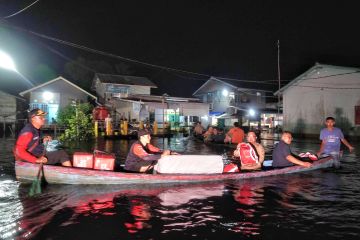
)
(190, 164)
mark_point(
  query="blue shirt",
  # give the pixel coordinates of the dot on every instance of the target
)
(332, 140)
(281, 151)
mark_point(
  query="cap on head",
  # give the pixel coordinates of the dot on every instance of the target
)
(142, 132)
(36, 112)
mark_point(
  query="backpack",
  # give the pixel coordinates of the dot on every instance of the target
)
(248, 154)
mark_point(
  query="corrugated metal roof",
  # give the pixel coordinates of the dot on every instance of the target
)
(127, 80)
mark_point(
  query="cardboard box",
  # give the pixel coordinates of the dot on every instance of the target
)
(104, 161)
(83, 160)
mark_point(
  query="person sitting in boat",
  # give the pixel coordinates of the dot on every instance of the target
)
(218, 135)
(235, 134)
(282, 156)
(252, 153)
(208, 133)
(198, 129)
(29, 147)
(142, 155)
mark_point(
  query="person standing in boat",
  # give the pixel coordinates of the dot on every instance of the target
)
(331, 138)
(235, 134)
(29, 145)
(142, 155)
(282, 156)
(248, 160)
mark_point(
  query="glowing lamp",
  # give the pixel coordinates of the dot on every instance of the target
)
(47, 96)
(6, 62)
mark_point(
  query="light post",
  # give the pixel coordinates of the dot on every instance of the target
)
(7, 63)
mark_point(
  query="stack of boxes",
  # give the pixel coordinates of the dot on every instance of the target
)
(98, 160)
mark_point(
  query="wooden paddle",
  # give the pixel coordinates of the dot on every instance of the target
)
(36, 184)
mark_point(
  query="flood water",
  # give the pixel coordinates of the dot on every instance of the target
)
(322, 204)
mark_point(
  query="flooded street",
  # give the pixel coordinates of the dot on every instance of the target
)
(321, 204)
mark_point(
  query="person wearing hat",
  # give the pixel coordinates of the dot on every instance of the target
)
(142, 155)
(29, 145)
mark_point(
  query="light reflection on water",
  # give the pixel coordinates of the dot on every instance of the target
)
(321, 204)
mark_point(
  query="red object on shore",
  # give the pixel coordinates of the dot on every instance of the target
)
(100, 113)
(103, 161)
(83, 160)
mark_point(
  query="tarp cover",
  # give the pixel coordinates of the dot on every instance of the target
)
(190, 164)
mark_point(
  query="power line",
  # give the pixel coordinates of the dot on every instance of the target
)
(20, 11)
(169, 69)
(129, 59)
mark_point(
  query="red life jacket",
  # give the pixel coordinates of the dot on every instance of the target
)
(248, 154)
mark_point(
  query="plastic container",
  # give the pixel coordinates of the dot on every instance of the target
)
(83, 160)
(104, 161)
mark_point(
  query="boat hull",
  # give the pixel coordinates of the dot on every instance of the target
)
(26, 172)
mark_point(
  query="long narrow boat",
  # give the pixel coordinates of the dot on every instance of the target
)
(26, 172)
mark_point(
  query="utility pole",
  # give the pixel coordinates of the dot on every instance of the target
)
(278, 63)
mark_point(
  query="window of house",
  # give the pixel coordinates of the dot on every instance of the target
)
(209, 97)
(357, 115)
(232, 95)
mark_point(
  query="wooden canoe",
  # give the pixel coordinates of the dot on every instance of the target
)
(26, 172)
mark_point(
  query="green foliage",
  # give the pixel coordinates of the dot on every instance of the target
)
(78, 121)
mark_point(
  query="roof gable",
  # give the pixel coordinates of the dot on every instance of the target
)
(319, 71)
(231, 83)
(60, 78)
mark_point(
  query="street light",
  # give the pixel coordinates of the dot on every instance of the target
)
(252, 112)
(7, 63)
(225, 92)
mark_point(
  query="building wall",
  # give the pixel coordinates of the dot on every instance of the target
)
(241, 99)
(139, 90)
(128, 110)
(63, 92)
(13, 114)
(102, 90)
(138, 111)
(7, 107)
(308, 103)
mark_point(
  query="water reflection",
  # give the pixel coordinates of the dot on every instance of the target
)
(67, 206)
(141, 214)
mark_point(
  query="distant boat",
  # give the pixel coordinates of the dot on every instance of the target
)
(26, 172)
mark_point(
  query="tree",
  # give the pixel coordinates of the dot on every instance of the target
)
(78, 121)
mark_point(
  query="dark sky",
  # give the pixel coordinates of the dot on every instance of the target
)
(235, 39)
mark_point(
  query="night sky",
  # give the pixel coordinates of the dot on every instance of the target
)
(234, 39)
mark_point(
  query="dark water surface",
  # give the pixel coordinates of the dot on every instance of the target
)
(323, 204)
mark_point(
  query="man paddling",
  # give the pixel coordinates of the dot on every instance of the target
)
(142, 155)
(29, 145)
(282, 156)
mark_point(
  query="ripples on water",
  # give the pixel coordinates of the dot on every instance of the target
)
(321, 204)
